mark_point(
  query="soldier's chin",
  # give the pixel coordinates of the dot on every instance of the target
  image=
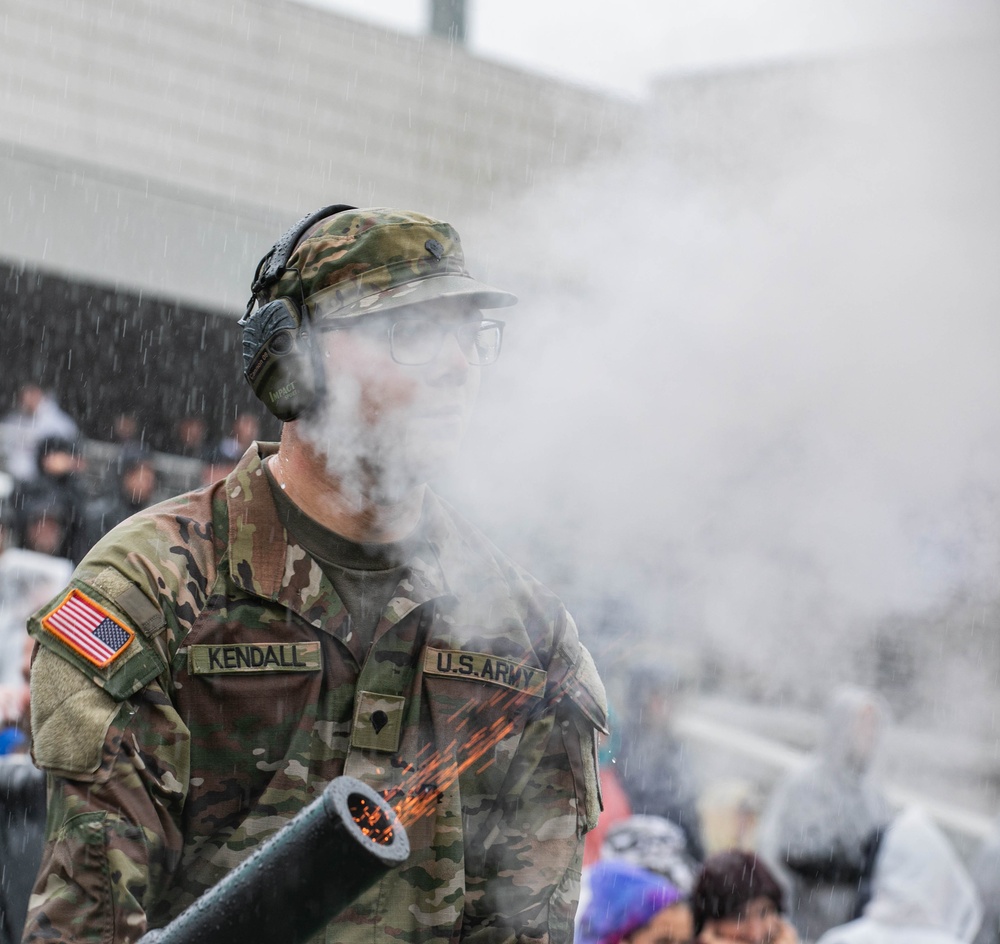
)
(394, 483)
(385, 463)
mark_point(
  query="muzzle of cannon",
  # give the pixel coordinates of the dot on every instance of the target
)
(302, 877)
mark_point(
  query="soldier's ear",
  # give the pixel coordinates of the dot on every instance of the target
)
(281, 362)
(280, 359)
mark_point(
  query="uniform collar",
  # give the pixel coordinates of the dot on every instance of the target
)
(266, 561)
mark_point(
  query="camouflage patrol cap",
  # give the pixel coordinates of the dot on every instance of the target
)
(371, 260)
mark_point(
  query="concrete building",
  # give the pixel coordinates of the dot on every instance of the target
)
(150, 152)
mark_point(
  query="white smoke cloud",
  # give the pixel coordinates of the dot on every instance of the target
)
(752, 384)
(381, 429)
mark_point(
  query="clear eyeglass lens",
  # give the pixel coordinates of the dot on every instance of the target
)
(416, 342)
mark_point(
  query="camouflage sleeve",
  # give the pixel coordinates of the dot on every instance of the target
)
(525, 885)
(117, 782)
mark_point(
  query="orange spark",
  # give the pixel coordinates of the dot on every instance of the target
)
(423, 784)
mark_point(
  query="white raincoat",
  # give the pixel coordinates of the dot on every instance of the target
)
(921, 893)
(815, 828)
(986, 875)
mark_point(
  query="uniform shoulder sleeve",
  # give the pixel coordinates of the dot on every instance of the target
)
(586, 690)
(573, 675)
(70, 720)
(150, 574)
(582, 710)
(105, 627)
(97, 646)
(109, 634)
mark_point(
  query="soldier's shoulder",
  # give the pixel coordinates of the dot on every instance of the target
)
(178, 531)
(128, 603)
(494, 582)
(467, 550)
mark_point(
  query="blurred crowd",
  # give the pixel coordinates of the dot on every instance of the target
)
(59, 495)
(823, 857)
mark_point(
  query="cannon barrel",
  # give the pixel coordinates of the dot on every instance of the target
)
(302, 877)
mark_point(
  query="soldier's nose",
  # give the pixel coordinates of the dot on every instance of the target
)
(451, 361)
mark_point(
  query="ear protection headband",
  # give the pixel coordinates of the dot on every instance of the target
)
(280, 361)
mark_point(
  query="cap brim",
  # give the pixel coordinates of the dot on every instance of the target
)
(417, 292)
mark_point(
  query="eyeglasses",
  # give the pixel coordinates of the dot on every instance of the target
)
(417, 341)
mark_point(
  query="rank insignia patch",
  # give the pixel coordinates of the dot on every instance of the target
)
(88, 629)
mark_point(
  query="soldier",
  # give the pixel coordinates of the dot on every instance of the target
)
(220, 657)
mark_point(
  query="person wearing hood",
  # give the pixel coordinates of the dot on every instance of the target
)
(630, 905)
(985, 871)
(817, 829)
(36, 417)
(654, 763)
(136, 489)
(51, 509)
(921, 892)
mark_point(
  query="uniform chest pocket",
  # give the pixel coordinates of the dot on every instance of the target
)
(238, 679)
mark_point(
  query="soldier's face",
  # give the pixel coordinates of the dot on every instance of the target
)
(401, 422)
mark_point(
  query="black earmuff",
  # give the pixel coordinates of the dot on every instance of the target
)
(280, 361)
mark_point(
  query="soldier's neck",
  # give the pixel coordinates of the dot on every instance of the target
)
(345, 508)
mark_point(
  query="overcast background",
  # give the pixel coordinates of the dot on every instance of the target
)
(746, 415)
(620, 46)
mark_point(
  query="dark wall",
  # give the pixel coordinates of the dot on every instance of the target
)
(103, 351)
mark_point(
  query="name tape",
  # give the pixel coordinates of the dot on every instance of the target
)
(254, 657)
(481, 667)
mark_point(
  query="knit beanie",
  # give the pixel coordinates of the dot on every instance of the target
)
(623, 898)
(653, 843)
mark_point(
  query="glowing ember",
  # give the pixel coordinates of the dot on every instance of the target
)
(370, 818)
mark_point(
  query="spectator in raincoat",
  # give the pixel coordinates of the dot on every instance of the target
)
(51, 509)
(921, 893)
(629, 905)
(654, 764)
(22, 815)
(37, 417)
(985, 871)
(136, 489)
(818, 826)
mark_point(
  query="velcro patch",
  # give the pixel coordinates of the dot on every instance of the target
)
(88, 629)
(482, 667)
(206, 659)
(378, 720)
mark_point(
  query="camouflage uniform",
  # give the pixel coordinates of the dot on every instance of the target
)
(243, 691)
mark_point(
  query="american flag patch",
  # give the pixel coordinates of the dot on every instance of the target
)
(89, 629)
